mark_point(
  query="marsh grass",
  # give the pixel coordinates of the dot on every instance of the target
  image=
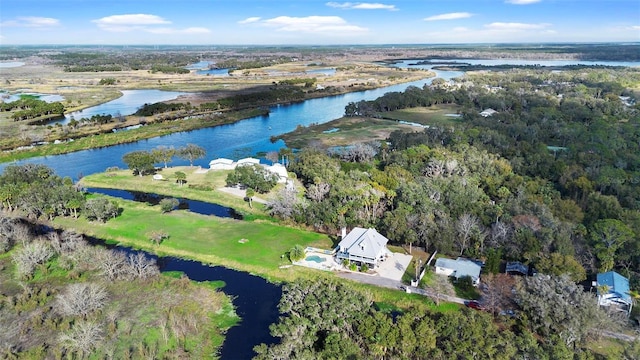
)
(163, 317)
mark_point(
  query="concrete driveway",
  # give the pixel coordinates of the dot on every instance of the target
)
(394, 266)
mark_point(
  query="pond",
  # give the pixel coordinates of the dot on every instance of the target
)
(255, 300)
(44, 97)
(195, 206)
(127, 104)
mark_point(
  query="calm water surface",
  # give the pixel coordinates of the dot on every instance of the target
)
(255, 301)
(237, 140)
(195, 206)
(127, 104)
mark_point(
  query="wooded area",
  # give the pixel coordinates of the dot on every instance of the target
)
(552, 174)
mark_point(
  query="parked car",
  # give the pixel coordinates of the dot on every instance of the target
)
(474, 304)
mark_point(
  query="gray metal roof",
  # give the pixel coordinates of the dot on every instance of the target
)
(462, 267)
(367, 243)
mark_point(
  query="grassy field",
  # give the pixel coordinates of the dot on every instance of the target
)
(253, 246)
(199, 186)
(344, 132)
(350, 130)
(433, 115)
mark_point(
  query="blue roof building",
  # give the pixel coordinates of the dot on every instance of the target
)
(618, 294)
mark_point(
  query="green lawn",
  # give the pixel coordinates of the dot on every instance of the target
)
(204, 238)
(199, 186)
(432, 115)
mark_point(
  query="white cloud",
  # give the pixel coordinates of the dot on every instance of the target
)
(522, 2)
(143, 23)
(516, 26)
(249, 20)
(362, 6)
(130, 20)
(634, 27)
(313, 24)
(187, 31)
(32, 22)
(449, 16)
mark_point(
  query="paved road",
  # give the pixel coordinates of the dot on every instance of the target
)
(619, 336)
(393, 284)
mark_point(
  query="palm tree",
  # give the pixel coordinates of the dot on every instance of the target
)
(296, 253)
(250, 193)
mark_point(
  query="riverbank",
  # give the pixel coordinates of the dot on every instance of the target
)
(106, 137)
(81, 90)
(73, 303)
(199, 185)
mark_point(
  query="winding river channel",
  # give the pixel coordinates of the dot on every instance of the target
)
(255, 298)
(240, 139)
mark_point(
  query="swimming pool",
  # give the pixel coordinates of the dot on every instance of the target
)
(315, 258)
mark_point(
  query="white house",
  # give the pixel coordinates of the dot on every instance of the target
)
(614, 291)
(227, 164)
(222, 164)
(248, 161)
(487, 112)
(458, 268)
(363, 246)
(279, 170)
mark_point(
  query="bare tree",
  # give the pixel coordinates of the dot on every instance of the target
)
(22, 233)
(317, 192)
(140, 267)
(83, 337)
(498, 292)
(111, 263)
(272, 156)
(465, 226)
(66, 242)
(435, 168)
(30, 256)
(284, 205)
(158, 236)
(359, 153)
(81, 299)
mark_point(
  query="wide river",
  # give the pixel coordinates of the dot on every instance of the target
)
(241, 139)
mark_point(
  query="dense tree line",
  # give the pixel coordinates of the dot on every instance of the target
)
(82, 61)
(491, 184)
(276, 94)
(93, 68)
(37, 192)
(143, 162)
(29, 108)
(158, 108)
(169, 69)
(324, 319)
(242, 64)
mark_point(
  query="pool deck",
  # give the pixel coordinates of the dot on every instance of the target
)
(392, 268)
(329, 263)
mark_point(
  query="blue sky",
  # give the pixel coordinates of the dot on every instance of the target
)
(265, 22)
